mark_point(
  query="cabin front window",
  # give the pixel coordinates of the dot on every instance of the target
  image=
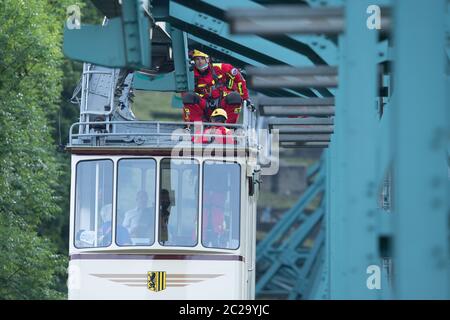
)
(136, 194)
(221, 205)
(178, 202)
(93, 203)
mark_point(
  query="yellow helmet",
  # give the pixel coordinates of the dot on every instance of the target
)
(198, 53)
(219, 112)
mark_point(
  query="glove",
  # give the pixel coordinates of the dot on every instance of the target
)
(250, 105)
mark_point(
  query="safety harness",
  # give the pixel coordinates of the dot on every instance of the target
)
(217, 84)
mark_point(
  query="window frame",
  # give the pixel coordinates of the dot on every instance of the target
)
(198, 213)
(156, 197)
(240, 201)
(75, 202)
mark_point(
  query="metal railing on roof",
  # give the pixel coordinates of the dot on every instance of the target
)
(154, 134)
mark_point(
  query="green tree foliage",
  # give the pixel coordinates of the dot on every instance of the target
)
(58, 228)
(33, 178)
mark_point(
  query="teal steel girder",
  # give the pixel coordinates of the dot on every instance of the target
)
(279, 255)
(123, 42)
(421, 123)
(352, 241)
(179, 80)
(408, 142)
(216, 31)
(316, 48)
(310, 273)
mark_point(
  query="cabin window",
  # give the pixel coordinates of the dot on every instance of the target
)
(136, 194)
(178, 202)
(93, 203)
(221, 205)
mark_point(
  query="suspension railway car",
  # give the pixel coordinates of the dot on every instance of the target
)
(155, 216)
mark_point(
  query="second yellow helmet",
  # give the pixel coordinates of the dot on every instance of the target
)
(219, 112)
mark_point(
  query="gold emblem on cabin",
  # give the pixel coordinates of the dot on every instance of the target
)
(156, 280)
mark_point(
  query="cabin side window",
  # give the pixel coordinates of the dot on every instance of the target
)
(136, 194)
(221, 205)
(178, 202)
(93, 203)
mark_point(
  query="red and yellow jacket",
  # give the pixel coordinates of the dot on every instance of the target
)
(225, 79)
(222, 136)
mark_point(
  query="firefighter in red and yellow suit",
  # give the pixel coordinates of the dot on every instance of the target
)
(221, 134)
(216, 85)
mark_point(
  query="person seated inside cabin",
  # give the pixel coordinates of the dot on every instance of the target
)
(164, 213)
(215, 231)
(222, 135)
(140, 221)
(105, 235)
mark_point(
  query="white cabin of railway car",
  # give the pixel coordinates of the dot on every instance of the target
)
(203, 249)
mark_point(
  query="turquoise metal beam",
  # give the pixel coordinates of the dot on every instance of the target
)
(328, 3)
(319, 289)
(206, 28)
(137, 32)
(229, 53)
(331, 182)
(255, 47)
(293, 77)
(287, 19)
(286, 222)
(353, 245)
(287, 256)
(421, 122)
(96, 44)
(322, 47)
(122, 42)
(216, 31)
(214, 21)
(310, 272)
(385, 215)
(281, 258)
(219, 33)
(161, 82)
(316, 48)
(179, 80)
